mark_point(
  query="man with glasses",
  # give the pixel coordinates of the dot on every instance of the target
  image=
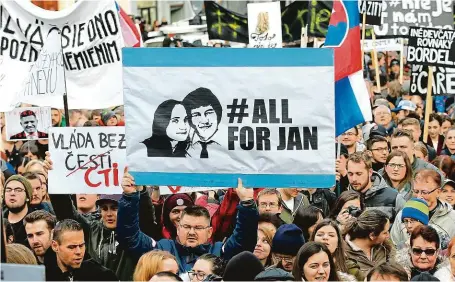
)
(286, 243)
(379, 148)
(427, 186)
(383, 116)
(17, 196)
(193, 231)
(350, 139)
(269, 201)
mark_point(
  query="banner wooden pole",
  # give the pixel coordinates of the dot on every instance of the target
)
(376, 63)
(364, 19)
(401, 61)
(428, 103)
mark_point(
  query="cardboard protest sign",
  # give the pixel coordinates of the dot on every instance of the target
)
(167, 190)
(91, 160)
(443, 80)
(431, 46)
(373, 11)
(193, 122)
(382, 45)
(31, 123)
(91, 40)
(398, 16)
(264, 25)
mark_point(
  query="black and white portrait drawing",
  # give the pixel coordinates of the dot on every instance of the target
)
(28, 123)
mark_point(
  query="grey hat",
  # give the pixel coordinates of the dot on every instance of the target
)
(108, 198)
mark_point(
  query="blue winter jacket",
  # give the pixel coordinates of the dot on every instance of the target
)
(129, 234)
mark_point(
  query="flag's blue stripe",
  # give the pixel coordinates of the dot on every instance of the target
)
(347, 110)
(352, 8)
(227, 57)
(230, 180)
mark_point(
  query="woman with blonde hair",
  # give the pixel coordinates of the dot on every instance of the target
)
(154, 262)
(263, 249)
(19, 254)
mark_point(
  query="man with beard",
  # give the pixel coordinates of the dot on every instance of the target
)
(29, 123)
(36, 202)
(39, 226)
(57, 118)
(66, 262)
(372, 186)
(17, 195)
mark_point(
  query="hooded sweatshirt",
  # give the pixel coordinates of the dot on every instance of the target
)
(443, 220)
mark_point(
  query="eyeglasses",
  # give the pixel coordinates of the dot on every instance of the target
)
(419, 252)
(16, 190)
(350, 134)
(265, 205)
(409, 221)
(196, 228)
(381, 149)
(281, 258)
(199, 275)
(395, 166)
(424, 193)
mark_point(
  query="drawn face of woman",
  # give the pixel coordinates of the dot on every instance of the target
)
(178, 124)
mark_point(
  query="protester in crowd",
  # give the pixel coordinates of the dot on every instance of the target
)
(206, 268)
(193, 232)
(287, 241)
(39, 226)
(435, 138)
(153, 262)
(58, 120)
(9, 232)
(446, 271)
(421, 151)
(445, 164)
(372, 186)
(367, 243)
(398, 173)
(448, 192)
(314, 263)
(109, 119)
(17, 195)
(404, 109)
(43, 177)
(263, 249)
(387, 272)
(379, 147)
(166, 276)
(449, 149)
(95, 116)
(311, 216)
(350, 139)
(413, 126)
(418, 101)
(269, 201)
(394, 73)
(323, 199)
(414, 213)
(66, 261)
(383, 116)
(19, 254)
(348, 205)
(270, 222)
(172, 211)
(293, 203)
(328, 233)
(30, 149)
(35, 166)
(427, 186)
(86, 206)
(242, 267)
(36, 202)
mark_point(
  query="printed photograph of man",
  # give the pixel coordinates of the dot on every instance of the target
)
(29, 123)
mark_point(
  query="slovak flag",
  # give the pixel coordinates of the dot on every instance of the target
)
(130, 33)
(352, 103)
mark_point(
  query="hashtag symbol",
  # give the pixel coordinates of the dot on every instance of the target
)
(394, 3)
(233, 113)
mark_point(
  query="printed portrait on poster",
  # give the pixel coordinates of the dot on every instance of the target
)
(28, 123)
(186, 128)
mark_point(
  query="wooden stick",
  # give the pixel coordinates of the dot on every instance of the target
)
(428, 103)
(401, 61)
(364, 19)
(376, 63)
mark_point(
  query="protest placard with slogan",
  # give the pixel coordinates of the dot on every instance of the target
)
(91, 40)
(390, 44)
(373, 11)
(87, 160)
(443, 80)
(28, 123)
(167, 190)
(399, 15)
(264, 25)
(431, 46)
(264, 115)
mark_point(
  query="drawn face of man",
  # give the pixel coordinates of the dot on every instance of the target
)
(178, 124)
(29, 124)
(205, 121)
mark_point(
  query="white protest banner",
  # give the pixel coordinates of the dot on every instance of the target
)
(431, 46)
(264, 25)
(234, 114)
(382, 45)
(167, 190)
(28, 123)
(443, 80)
(90, 160)
(373, 11)
(22, 272)
(91, 39)
(399, 15)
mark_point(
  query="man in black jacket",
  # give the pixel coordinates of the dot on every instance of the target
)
(68, 244)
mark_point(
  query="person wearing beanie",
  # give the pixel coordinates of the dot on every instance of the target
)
(243, 267)
(285, 244)
(17, 195)
(109, 119)
(172, 210)
(415, 213)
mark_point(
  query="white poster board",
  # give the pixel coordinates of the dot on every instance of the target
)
(382, 45)
(89, 160)
(91, 39)
(28, 123)
(22, 272)
(193, 122)
(264, 25)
